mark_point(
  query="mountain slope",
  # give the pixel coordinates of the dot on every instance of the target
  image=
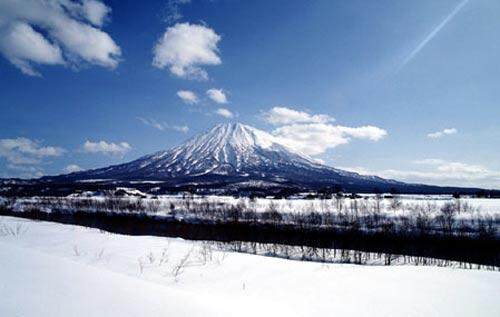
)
(240, 155)
(233, 150)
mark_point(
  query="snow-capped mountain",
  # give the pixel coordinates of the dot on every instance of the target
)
(227, 149)
(237, 155)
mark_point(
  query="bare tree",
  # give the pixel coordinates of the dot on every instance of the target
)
(447, 216)
(396, 203)
(179, 268)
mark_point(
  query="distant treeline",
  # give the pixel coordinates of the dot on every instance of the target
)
(339, 215)
(426, 230)
(30, 188)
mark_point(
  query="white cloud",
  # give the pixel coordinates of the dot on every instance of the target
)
(284, 115)
(320, 161)
(226, 113)
(217, 95)
(357, 169)
(72, 168)
(429, 161)
(313, 134)
(152, 123)
(461, 168)
(23, 151)
(22, 45)
(315, 138)
(440, 172)
(188, 96)
(163, 126)
(184, 48)
(55, 32)
(367, 132)
(440, 134)
(172, 10)
(180, 128)
(118, 149)
(23, 171)
(96, 12)
(452, 167)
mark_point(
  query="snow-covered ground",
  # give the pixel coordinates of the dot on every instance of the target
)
(49, 269)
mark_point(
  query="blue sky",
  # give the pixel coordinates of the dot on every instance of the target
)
(401, 89)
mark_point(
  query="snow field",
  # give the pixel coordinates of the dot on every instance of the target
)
(50, 269)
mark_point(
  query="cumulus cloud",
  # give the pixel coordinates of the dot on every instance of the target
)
(118, 149)
(217, 95)
(440, 134)
(315, 138)
(163, 126)
(188, 97)
(96, 12)
(284, 115)
(313, 134)
(226, 113)
(22, 45)
(72, 168)
(55, 32)
(24, 151)
(184, 48)
(440, 172)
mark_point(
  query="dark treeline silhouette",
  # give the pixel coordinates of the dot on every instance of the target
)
(338, 215)
(426, 231)
(219, 186)
(331, 255)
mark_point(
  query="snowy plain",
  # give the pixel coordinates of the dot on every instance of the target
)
(50, 269)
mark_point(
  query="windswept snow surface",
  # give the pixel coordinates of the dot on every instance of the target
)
(49, 269)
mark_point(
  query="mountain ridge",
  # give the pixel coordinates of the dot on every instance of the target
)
(226, 149)
(233, 157)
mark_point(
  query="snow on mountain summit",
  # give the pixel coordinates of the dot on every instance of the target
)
(231, 143)
(230, 148)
